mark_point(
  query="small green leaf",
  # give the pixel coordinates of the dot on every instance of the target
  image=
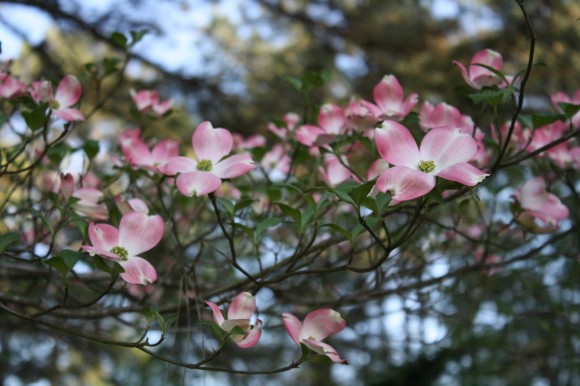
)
(539, 120)
(110, 65)
(227, 205)
(91, 148)
(136, 36)
(569, 109)
(242, 204)
(382, 200)
(57, 152)
(296, 83)
(362, 191)
(249, 231)
(58, 263)
(289, 187)
(8, 238)
(338, 228)
(70, 258)
(35, 119)
(119, 40)
(289, 211)
(267, 223)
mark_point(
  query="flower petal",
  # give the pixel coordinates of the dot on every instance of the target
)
(103, 236)
(242, 306)
(197, 183)
(324, 349)
(388, 95)
(404, 183)
(218, 317)
(293, 326)
(308, 134)
(139, 232)
(69, 115)
(211, 144)
(252, 337)
(447, 147)
(138, 271)
(396, 144)
(178, 165)
(68, 92)
(322, 323)
(463, 173)
(331, 118)
(234, 166)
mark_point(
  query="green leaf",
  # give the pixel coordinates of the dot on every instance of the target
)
(289, 187)
(490, 96)
(119, 40)
(569, 109)
(295, 82)
(289, 211)
(136, 36)
(249, 231)
(107, 266)
(539, 120)
(338, 228)
(91, 148)
(382, 200)
(8, 238)
(267, 223)
(70, 258)
(57, 153)
(227, 205)
(362, 191)
(110, 65)
(58, 263)
(35, 118)
(242, 204)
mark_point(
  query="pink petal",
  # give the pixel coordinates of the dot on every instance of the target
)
(293, 326)
(143, 99)
(252, 337)
(308, 134)
(463, 173)
(101, 252)
(68, 92)
(211, 144)
(242, 306)
(234, 166)
(218, 317)
(388, 95)
(465, 75)
(396, 144)
(482, 76)
(178, 165)
(229, 324)
(324, 349)
(139, 232)
(197, 183)
(103, 236)
(331, 118)
(165, 150)
(138, 271)
(447, 147)
(533, 194)
(322, 323)
(162, 107)
(552, 212)
(405, 184)
(376, 168)
(335, 171)
(69, 115)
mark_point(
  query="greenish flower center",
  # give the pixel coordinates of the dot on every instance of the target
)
(204, 165)
(426, 166)
(54, 104)
(122, 252)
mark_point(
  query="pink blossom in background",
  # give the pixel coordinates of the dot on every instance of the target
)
(11, 87)
(204, 174)
(318, 325)
(131, 205)
(290, 120)
(443, 153)
(67, 94)
(478, 76)
(537, 203)
(137, 233)
(137, 152)
(90, 203)
(561, 97)
(241, 143)
(389, 97)
(333, 171)
(520, 138)
(362, 115)
(332, 122)
(149, 101)
(444, 116)
(276, 162)
(239, 315)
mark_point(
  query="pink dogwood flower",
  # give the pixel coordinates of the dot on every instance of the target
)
(536, 202)
(478, 76)
(67, 94)
(148, 101)
(204, 175)
(90, 203)
(11, 87)
(137, 233)
(331, 119)
(239, 315)
(389, 97)
(317, 326)
(138, 154)
(443, 153)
